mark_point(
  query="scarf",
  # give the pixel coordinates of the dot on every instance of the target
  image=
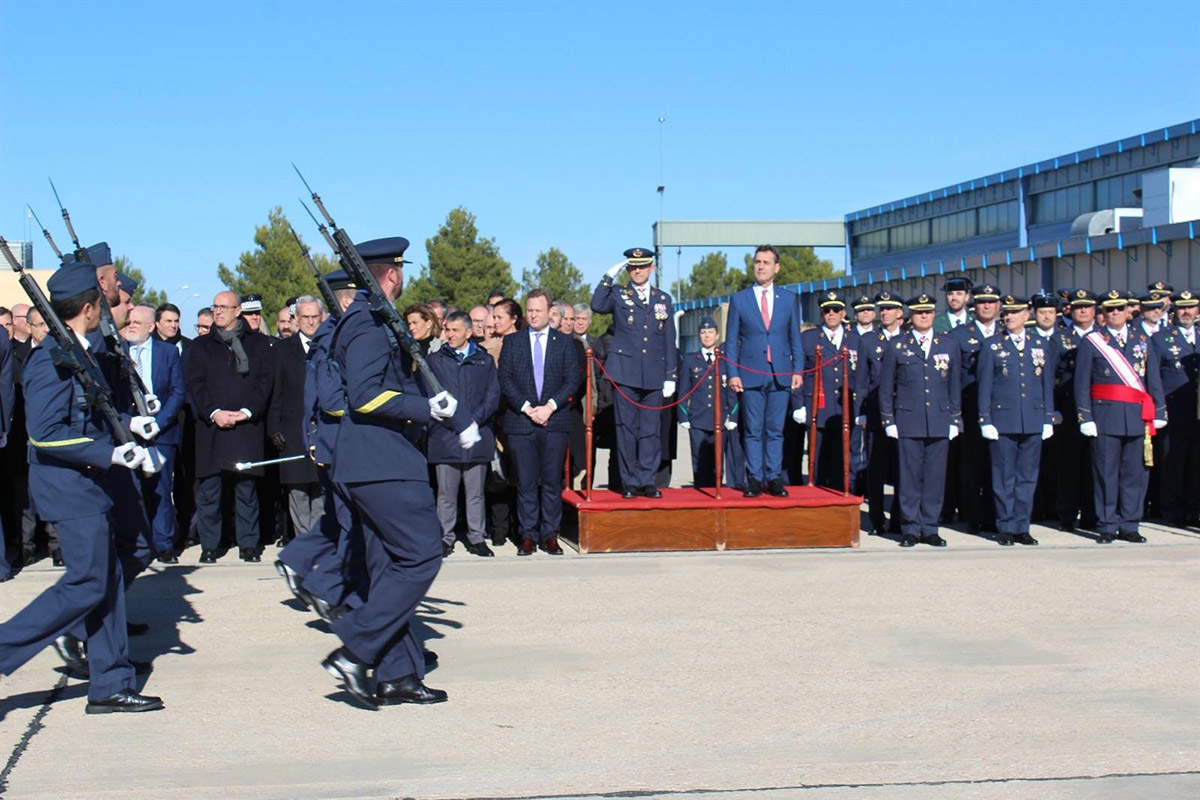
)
(233, 339)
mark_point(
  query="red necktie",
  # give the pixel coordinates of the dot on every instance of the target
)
(766, 315)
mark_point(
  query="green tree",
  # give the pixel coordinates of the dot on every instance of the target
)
(710, 276)
(463, 267)
(797, 264)
(144, 294)
(557, 275)
(276, 269)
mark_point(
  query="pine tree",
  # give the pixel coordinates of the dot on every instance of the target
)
(463, 267)
(557, 275)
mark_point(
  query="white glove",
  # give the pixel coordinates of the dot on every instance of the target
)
(892, 432)
(130, 455)
(152, 404)
(989, 432)
(1159, 424)
(435, 405)
(1088, 429)
(154, 461)
(615, 270)
(687, 426)
(145, 427)
(953, 432)
(1047, 431)
(668, 389)
(800, 415)
(470, 437)
(861, 421)
(730, 425)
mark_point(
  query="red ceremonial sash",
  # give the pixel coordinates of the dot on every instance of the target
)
(1132, 391)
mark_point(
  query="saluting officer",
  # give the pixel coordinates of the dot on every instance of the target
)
(696, 413)
(920, 406)
(832, 337)
(976, 503)
(1179, 356)
(642, 361)
(1075, 490)
(1016, 410)
(387, 480)
(1118, 394)
(71, 449)
(882, 466)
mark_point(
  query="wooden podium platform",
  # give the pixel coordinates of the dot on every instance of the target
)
(693, 519)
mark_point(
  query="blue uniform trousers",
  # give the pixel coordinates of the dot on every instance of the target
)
(922, 484)
(639, 436)
(131, 526)
(860, 456)
(1119, 481)
(539, 458)
(764, 410)
(704, 470)
(403, 541)
(160, 507)
(1015, 462)
(88, 598)
(883, 467)
(329, 561)
(1180, 471)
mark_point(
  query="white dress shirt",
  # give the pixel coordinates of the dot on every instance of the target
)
(769, 289)
(834, 336)
(140, 355)
(957, 319)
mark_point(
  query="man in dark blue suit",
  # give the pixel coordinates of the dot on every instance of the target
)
(763, 336)
(641, 361)
(1118, 393)
(920, 407)
(71, 448)
(696, 413)
(7, 399)
(832, 337)
(539, 374)
(161, 370)
(1179, 357)
(1016, 411)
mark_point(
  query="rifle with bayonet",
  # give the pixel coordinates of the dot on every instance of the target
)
(383, 308)
(331, 301)
(108, 326)
(71, 355)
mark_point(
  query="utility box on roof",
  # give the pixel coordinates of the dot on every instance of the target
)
(1170, 195)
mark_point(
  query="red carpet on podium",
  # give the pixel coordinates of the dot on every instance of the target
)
(693, 498)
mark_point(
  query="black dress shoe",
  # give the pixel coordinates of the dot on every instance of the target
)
(431, 658)
(208, 556)
(1025, 538)
(408, 689)
(974, 528)
(56, 558)
(876, 531)
(8, 576)
(447, 549)
(1004, 539)
(250, 555)
(292, 579)
(753, 488)
(1104, 538)
(136, 629)
(498, 540)
(70, 650)
(342, 664)
(934, 540)
(775, 488)
(1066, 527)
(1135, 537)
(651, 492)
(480, 549)
(908, 541)
(527, 546)
(630, 493)
(168, 557)
(551, 546)
(124, 701)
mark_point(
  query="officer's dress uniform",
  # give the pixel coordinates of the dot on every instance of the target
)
(1118, 468)
(829, 467)
(70, 454)
(1179, 359)
(1076, 494)
(976, 504)
(882, 466)
(1016, 396)
(641, 358)
(697, 411)
(921, 394)
(1044, 502)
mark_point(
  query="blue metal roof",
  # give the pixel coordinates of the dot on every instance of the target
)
(1099, 151)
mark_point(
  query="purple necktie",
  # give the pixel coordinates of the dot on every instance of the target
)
(538, 363)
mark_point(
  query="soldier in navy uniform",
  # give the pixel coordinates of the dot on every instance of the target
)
(976, 504)
(860, 444)
(832, 337)
(387, 480)
(71, 448)
(1074, 485)
(1045, 330)
(1016, 412)
(696, 413)
(920, 406)
(882, 465)
(1179, 357)
(1114, 414)
(7, 400)
(642, 361)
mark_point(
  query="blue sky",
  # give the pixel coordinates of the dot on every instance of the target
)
(169, 127)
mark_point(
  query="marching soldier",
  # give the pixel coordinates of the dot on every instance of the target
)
(1179, 356)
(882, 466)
(1016, 410)
(832, 337)
(976, 503)
(642, 361)
(1075, 491)
(920, 407)
(1119, 398)
(696, 413)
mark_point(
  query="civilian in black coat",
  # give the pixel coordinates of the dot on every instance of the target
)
(537, 419)
(230, 407)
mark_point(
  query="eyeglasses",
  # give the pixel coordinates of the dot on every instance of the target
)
(203, 328)
(225, 308)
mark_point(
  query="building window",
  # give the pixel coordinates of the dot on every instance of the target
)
(870, 244)
(953, 227)
(1062, 205)
(1117, 192)
(906, 237)
(998, 218)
